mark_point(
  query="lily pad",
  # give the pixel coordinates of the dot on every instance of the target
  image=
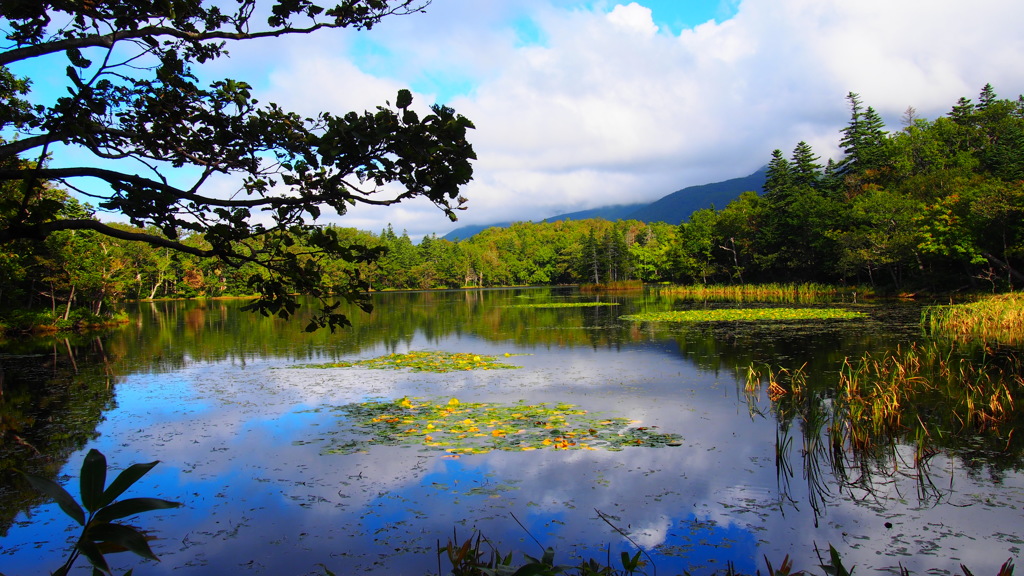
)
(475, 428)
(565, 305)
(746, 315)
(424, 361)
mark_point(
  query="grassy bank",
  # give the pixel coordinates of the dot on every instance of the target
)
(33, 322)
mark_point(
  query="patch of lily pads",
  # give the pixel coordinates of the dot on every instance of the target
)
(565, 305)
(461, 428)
(424, 361)
(746, 315)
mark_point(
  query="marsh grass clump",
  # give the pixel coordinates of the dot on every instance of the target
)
(617, 286)
(791, 293)
(935, 388)
(995, 319)
(781, 382)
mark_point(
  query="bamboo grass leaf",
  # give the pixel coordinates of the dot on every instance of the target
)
(92, 480)
(92, 552)
(59, 495)
(124, 480)
(131, 507)
(121, 535)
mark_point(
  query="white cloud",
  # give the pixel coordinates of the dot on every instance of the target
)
(578, 108)
(633, 17)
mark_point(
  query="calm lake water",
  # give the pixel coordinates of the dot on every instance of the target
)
(244, 435)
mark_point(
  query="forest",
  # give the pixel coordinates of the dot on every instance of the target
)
(935, 206)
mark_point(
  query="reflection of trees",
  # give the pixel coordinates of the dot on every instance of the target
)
(53, 393)
(166, 334)
(52, 407)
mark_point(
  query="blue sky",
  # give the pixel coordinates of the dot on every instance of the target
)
(586, 103)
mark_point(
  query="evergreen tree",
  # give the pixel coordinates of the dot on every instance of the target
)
(963, 112)
(862, 139)
(779, 176)
(986, 97)
(806, 172)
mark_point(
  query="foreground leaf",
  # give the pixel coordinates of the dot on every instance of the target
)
(124, 480)
(121, 535)
(93, 479)
(59, 495)
(131, 507)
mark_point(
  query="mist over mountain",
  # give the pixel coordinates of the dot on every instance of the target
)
(674, 208)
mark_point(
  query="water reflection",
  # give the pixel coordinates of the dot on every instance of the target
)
(242, 437)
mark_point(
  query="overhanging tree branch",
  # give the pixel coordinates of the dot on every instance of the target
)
(148, 117)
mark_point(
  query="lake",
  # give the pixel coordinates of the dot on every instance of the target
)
(253, 441)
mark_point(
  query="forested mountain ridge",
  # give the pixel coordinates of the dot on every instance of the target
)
(672, 209)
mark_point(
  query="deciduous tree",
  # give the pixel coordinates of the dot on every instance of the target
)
(136, 112)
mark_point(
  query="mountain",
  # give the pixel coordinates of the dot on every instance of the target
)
(673, 208)
(616, 212)
(677, 206)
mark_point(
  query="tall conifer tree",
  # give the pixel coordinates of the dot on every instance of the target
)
(862, 138)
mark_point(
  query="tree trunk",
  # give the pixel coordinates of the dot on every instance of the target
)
(71, 298)
(1004, 265)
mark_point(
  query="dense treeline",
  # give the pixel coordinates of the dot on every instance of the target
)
(936, 205)
(81, 268)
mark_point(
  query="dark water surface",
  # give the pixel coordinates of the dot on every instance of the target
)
(243, 437)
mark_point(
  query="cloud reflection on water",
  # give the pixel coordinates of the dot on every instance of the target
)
(242, 445)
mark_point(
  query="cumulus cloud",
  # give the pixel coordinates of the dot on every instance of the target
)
(580, 105)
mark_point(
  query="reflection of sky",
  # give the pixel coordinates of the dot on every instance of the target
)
(242, 446)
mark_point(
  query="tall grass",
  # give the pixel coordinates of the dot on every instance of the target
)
(931, 388)
(617, 286)
(759, 292)
(994, 319)
(924, 393)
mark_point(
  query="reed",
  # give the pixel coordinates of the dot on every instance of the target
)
(995, 319)
(922, 393)
(781, 382)
(618, 286)
(759, 292)
(930, 389)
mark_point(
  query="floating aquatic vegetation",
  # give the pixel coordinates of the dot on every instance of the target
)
(477, 428)
(746, 315)
(424, 361)
(565, 305)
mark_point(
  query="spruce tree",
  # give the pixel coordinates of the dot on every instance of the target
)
(862, 138)
(986, 97)
(778, 178)
(805, 170)
(963, 112)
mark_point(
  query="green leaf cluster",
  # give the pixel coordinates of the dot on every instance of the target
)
(145, 115)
